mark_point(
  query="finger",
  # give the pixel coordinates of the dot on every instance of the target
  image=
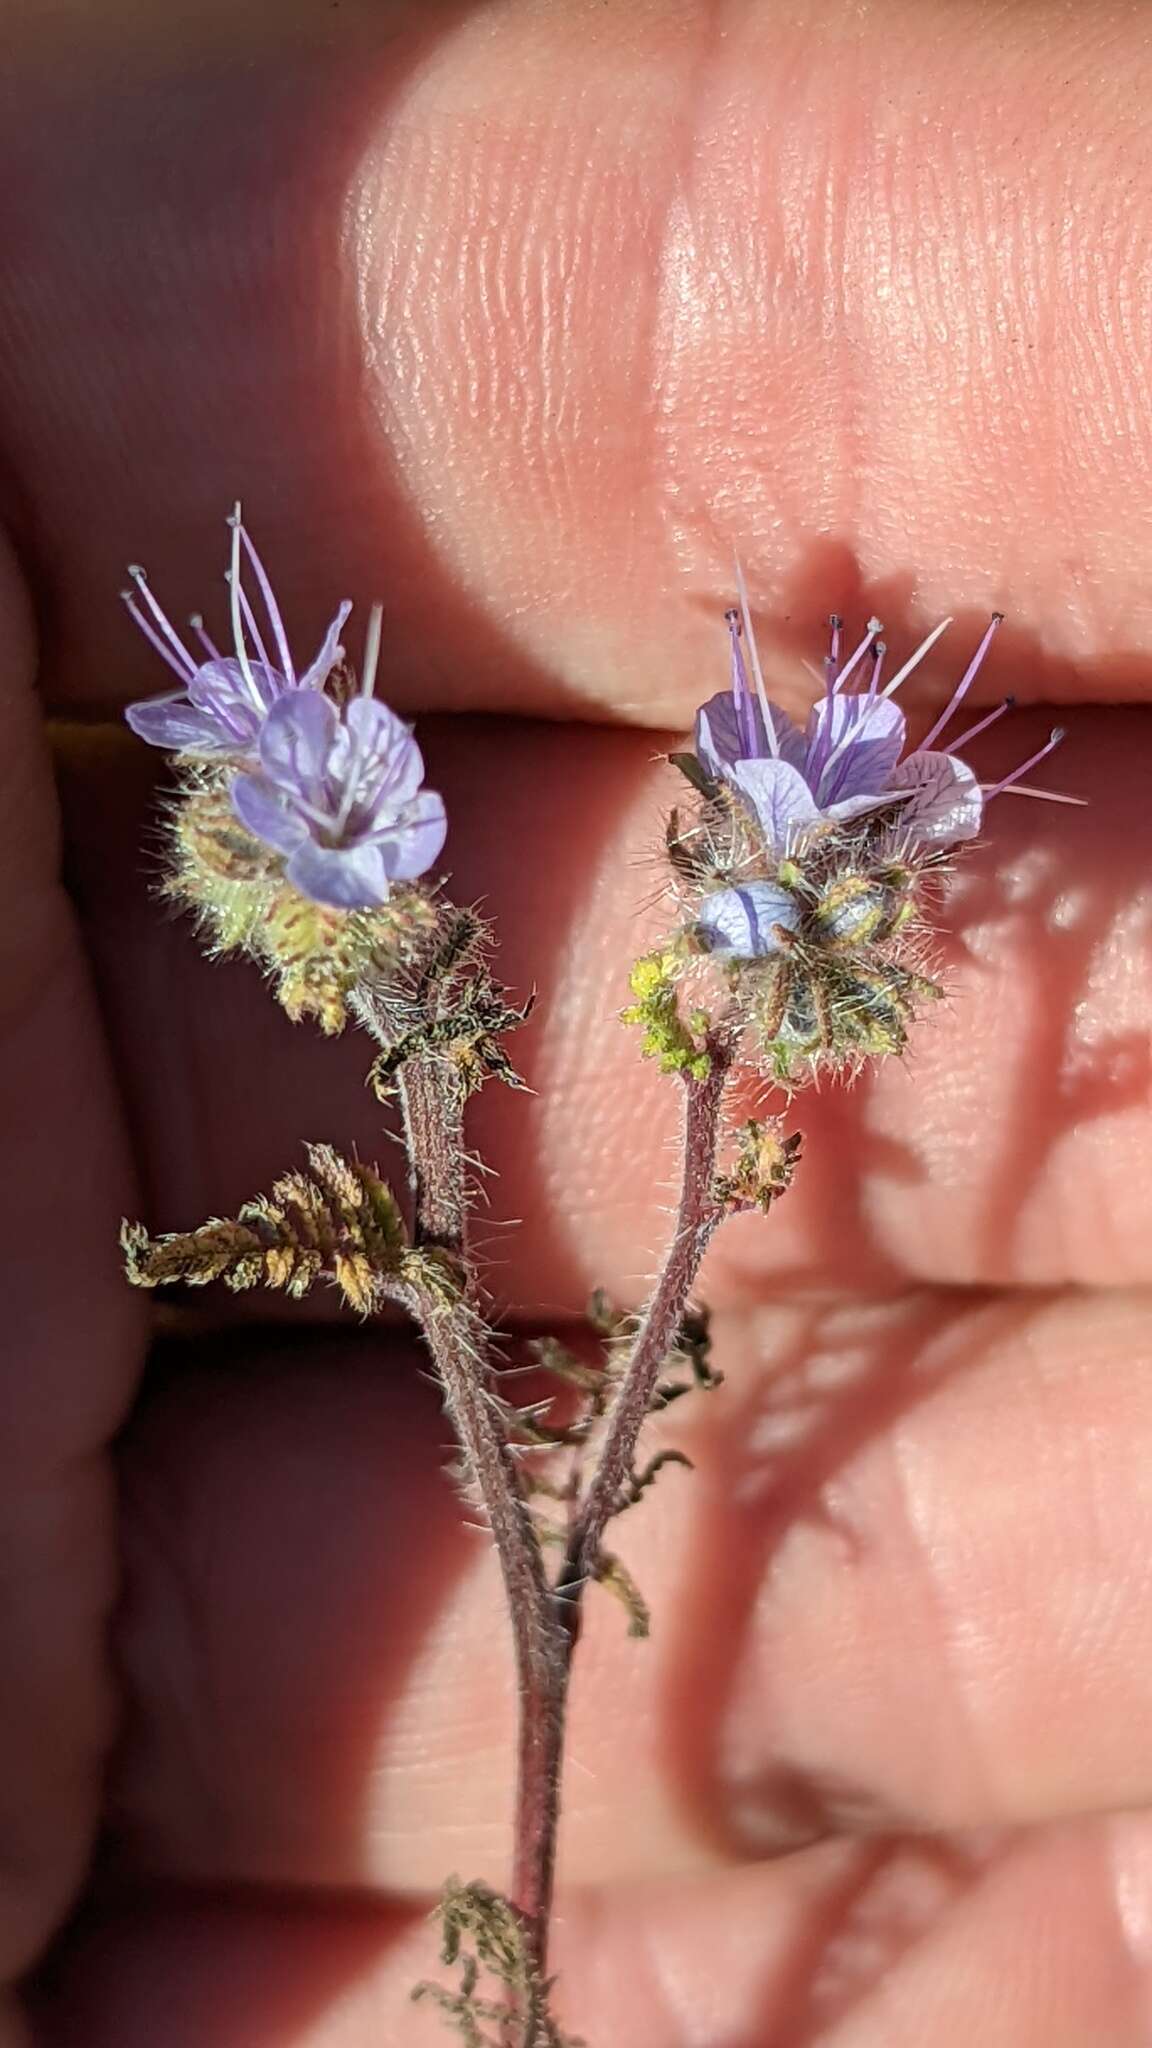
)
(531, 380)
(1012, 1145)
(904, 1587)
(71, 1341)
(1035, 1942)
(13, 2031)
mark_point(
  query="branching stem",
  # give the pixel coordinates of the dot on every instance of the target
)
(545, 1619)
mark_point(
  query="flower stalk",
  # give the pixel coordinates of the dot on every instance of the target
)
(431, 1100)
(700, 1209)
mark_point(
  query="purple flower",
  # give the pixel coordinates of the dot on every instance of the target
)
(337, 789)
(850, 757)
(338, 792)
(223, 701)
(848, 760)
(745, 923)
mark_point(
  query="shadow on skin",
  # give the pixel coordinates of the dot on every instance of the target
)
(770, 1459)
(892, 1895)
(136, 1973)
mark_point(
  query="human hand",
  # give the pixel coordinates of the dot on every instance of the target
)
(522, 319)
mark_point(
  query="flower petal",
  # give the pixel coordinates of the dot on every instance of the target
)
(390, 766)
(719, 743)
(345, 877)
(854, 743)
(266, 812)
(413, 842)
(946, 802)
(297, 740)
(173, 722)
(780, 797)
(741, 923)
(316, 674)
(718, 740)
(857, 806)
(223, 686)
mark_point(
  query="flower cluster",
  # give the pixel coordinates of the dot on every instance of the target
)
(801, 868)
(331, 783)
(847, 764)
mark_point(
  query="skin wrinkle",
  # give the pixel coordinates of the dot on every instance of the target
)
(958, 1641)
(951, 1632)
(512, 308)
(828, 1496)
(720, 274)
(643, 655)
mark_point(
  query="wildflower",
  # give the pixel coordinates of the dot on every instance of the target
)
(805, 864)
(333, 788)
(846, 765)
(338, 791)
(223, 700)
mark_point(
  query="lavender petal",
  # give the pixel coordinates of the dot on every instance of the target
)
(854, 743)
(173, 722)
(720, 743)
(391, 767)
(780, 797)
(343, 877)
(856, 807)
(742, 923)
(946, 803)
(267, 813)
(413, 842)
(316, 674)
(298, 740)
(224, 683)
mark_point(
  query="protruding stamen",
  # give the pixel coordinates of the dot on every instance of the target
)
(371, 650)
(196, 623)
(915, 659)
(981, 725)
(873, 627)
(832, 658)
(360, 746)
(275, 619)
(1041, 754)
(878, 653)
(965, 683)
(761, 692)
(1048, 796)
(741, 691)
(163, 622)
(253, 628)
(153, 638)
(232, 579)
